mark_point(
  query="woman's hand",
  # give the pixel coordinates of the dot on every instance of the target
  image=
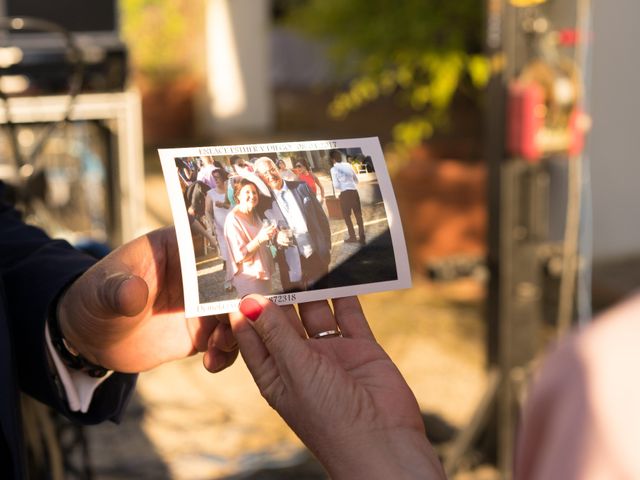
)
(343, 396)
(266, 233)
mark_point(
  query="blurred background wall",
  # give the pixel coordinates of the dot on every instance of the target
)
(615, 140)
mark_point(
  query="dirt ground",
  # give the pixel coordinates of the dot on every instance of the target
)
(188, 424)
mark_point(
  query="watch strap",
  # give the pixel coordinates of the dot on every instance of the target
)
(69, 355)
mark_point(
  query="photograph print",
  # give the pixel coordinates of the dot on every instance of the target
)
(296, 221)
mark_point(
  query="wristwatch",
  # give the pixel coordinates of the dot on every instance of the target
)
(69, 355)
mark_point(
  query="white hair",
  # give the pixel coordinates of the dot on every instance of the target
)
(263, 160)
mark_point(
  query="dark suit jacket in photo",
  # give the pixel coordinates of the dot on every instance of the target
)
(317, 224)
(317, 221)
(34, 269)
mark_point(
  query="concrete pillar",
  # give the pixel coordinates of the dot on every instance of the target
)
(238, 96)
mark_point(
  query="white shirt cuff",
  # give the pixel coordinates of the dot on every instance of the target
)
(78, 386)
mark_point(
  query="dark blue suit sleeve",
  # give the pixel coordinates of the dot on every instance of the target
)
(34, 270)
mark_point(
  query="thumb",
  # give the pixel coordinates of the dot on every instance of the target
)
(121, 294)
(95, 297)
(277, 336)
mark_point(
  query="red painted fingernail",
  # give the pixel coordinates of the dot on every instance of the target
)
(250, 308)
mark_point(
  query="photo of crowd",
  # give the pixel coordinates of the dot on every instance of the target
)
(285, 222)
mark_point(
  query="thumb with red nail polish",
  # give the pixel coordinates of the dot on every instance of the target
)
(276, 335)
(250, 308)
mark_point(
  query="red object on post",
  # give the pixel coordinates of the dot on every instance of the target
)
(569, 37)
(525, 119)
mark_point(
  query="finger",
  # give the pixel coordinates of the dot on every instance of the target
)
(294, 319)
(222, 338)
(276, 333)
(223, 318)
(153, 257)
(131, 296)
(215, 360)
(253, 350)
(121, 294)
(350, 317)
(317, 317)
(201, 330)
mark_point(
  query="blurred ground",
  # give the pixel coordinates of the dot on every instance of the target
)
(188, 424)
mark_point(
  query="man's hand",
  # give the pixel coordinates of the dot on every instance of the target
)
(126, 313)
(343, 396)
(283, 238)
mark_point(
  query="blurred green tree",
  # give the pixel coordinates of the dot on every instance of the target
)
(162, 36)
(421, 51)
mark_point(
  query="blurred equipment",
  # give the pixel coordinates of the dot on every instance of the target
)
(538, 272)
(88, 180)
(544, 113)
(96, 17)
(73, 161)
(44, 66)
(455, 267)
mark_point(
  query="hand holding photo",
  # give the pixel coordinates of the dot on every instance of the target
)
(278, 220)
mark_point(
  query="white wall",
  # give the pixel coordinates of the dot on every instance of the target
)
(238, 88)
(615, 140)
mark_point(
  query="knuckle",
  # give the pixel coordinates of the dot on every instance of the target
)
(273, 392)
(271, 330)
(270, 383)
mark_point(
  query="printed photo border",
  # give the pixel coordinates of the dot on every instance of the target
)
(369, 146)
